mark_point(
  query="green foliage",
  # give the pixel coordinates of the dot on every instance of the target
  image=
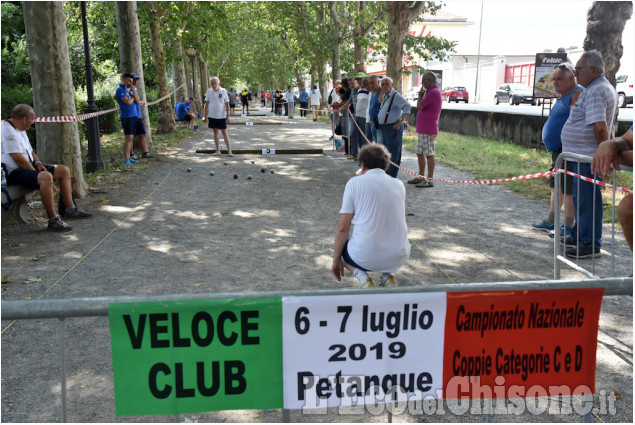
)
(12, 95)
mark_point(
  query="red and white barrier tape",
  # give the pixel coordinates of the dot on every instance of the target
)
(84, 117)
(590, 180)
(524, 177)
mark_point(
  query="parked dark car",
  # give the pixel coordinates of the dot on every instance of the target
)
(457, 94)
(514, 93)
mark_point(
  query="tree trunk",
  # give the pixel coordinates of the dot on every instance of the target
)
(336, 39)
(130, 53)
(187, 65)
(52, 84)
(298, 75)
(605, 24)
(178, 78)
(400, 16)
(165, 124)
(203, 78)
(358, 49)
(322, 85)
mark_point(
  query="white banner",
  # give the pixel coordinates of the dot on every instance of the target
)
(354, 349)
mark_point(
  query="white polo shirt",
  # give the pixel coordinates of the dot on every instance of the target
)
(316, 96)
(379, 241)
(217, 100)
(14, 141)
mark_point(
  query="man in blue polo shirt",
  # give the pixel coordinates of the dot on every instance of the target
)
(126, 97)
(184, 113)
(139, 129)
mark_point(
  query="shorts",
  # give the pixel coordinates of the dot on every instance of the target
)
(348, 260)
(232, 105)
(132, 126)
(187, 118)
(219, 123)
(425, 144)
(566, 181)
(28, 178)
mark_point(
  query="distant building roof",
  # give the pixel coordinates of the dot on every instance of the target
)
(443, 16)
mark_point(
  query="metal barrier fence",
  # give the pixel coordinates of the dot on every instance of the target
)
(560, 249)
(98, 306)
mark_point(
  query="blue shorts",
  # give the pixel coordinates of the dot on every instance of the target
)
(28, 178)
(220, 124)
(132, 126)
(348, 260)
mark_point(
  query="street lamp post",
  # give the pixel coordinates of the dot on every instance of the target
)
(191, 52)
(94, 160)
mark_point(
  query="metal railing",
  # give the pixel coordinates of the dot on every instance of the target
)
(559, 249)
(98, 306)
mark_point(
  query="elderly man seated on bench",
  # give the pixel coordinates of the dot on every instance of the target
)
(185, 113)
(24, 168)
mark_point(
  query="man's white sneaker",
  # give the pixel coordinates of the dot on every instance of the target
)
(389, 281)
(368, 283)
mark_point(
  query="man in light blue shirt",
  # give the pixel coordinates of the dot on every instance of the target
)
(589, 124)
(392, 115)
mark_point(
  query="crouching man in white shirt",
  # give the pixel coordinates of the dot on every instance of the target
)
(376, 204)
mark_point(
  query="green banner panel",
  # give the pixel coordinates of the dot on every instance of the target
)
(196, 356)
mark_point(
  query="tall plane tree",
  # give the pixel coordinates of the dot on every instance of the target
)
(130, 53)
(605, 24)
(50, 65)
(156, 13)
(400, 15)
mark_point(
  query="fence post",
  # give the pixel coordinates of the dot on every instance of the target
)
(62, 366)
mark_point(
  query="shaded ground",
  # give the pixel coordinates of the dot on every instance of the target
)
(169, 231)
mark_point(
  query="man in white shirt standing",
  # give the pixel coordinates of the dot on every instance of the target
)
(376, 204)
(216, 112)
(316, 101)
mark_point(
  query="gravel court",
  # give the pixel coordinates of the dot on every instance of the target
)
(190, 232)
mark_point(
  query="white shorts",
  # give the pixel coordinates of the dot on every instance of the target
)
(425, 144)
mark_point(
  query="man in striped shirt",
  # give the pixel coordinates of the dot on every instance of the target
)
(590, 123)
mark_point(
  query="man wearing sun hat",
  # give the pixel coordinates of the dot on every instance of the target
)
(140, 129)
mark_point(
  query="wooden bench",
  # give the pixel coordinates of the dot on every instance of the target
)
(21, 196)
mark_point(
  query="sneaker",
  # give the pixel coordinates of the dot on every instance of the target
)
(416, 180)
(57, 225)
(134, 157)
(563, 233)
(425, 183)
(76, 212)
(147, 155)
(543, 225)
(127, 161)
(230, 153)
(133, 161)
(390, 281)
(216, 153)
(586, 250)
(569, 242)
(350, 157)
(368, 283)
(196, 127)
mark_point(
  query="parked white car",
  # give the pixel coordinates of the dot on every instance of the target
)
(624, 90)
(412, 93)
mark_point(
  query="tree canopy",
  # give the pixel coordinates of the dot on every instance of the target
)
(258, 44)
